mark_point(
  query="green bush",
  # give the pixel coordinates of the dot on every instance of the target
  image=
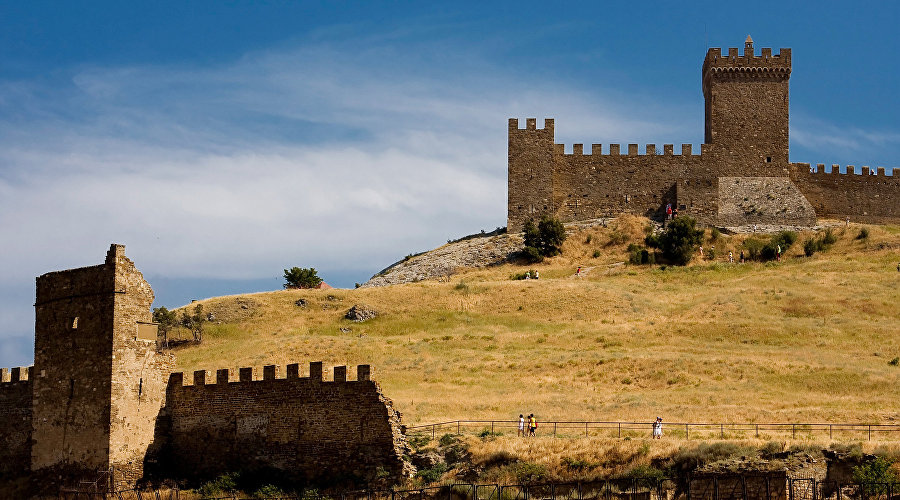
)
(521, 276)
(686, 460)
(679, 241)
(297, 277)
(269, 491)
(543, 240)
(894, 362)
(754, 247)
(448, 439)
(638, 255)
(226, 483)
(433, 474)
(528, 472)
(820, 244)
(714, 234)
(874, 474)
(863, 234)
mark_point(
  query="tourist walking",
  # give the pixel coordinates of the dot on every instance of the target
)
(521, 425)
(657, 428)
(731, 256)
(532, 425)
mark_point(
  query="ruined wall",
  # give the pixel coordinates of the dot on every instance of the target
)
(861, 197)
(760, 200)
(767, 486)
(302, 428)
(15, 422)
(139, 373)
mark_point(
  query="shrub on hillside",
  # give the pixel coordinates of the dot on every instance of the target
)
(301, 277)
(679, 241)
(754, 247)
(863, 234)
(639, 255)
(820, 244)
(764, 251)
(875, 474)
(543, 240)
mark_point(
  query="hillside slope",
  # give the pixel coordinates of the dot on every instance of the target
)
(805, 339)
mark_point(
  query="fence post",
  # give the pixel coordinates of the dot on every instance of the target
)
(793, 431)
(554, 429)
(722, 430)
(433, 428)
(457, 431)
(585, 435)
(829, 431)
(870, 433)
(687, 431)
(620, 429)
(757, 430)
(492, 426)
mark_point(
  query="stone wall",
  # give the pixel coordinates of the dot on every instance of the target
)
(757, 200)
(298, 428)
(15, 422)
(766, 486)
(860, 196)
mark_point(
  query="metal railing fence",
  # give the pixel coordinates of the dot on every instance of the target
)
(685, 430)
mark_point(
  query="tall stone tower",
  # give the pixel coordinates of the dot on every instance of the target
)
(531, 164)
(746, 99)
(99, 382)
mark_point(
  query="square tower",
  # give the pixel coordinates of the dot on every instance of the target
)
(746, 101)
(99, 381)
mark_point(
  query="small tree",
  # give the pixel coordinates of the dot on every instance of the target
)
(678, 241)
(543, 240)
(166, 320)
(874, 475)
(194, 322)
(301, 277)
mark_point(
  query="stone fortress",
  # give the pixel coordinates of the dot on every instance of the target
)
(101, 401)
(742, 175)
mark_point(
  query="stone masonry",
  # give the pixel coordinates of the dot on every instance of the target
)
(746, 136)
(102, 402)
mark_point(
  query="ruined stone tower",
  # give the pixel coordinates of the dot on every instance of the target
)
(99, 382)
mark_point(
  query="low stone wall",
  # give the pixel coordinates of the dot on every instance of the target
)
(294, 428)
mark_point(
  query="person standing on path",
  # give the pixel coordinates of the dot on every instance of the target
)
(657, 428)
(521, 425)
(532, 425)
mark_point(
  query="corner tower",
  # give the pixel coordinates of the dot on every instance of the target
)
(746, 98)
(530, 174)
(99, 382)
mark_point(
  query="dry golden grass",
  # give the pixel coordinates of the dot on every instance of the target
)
(805, 339)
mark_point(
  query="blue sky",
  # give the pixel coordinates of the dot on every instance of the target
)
(224, 141)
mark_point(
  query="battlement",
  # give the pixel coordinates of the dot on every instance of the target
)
(531, 124)
(631, 150)
(269, 373)
(733, 60)
(16, 374)
(835, 169)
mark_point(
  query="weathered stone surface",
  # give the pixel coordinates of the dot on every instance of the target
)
(360, 312)
(444, 261)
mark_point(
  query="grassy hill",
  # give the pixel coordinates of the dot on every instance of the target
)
(805, 339)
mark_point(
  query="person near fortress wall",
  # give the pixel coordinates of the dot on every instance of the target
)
(742, 256)
(668, 211)
(731, 256)
(521, 425)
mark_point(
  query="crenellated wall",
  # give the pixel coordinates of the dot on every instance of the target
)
(861, 197)
(300, 428)
(15, 415)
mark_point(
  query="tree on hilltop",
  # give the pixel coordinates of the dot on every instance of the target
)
(301, 277)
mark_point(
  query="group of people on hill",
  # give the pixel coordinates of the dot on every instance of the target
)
(527, 428)
(529, 276)
(671, 212)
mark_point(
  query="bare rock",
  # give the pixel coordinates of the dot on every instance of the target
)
(360, 312)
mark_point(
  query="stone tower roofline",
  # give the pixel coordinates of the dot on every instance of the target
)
(746, 65)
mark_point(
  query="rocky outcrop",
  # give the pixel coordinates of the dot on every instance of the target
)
(443, 262)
